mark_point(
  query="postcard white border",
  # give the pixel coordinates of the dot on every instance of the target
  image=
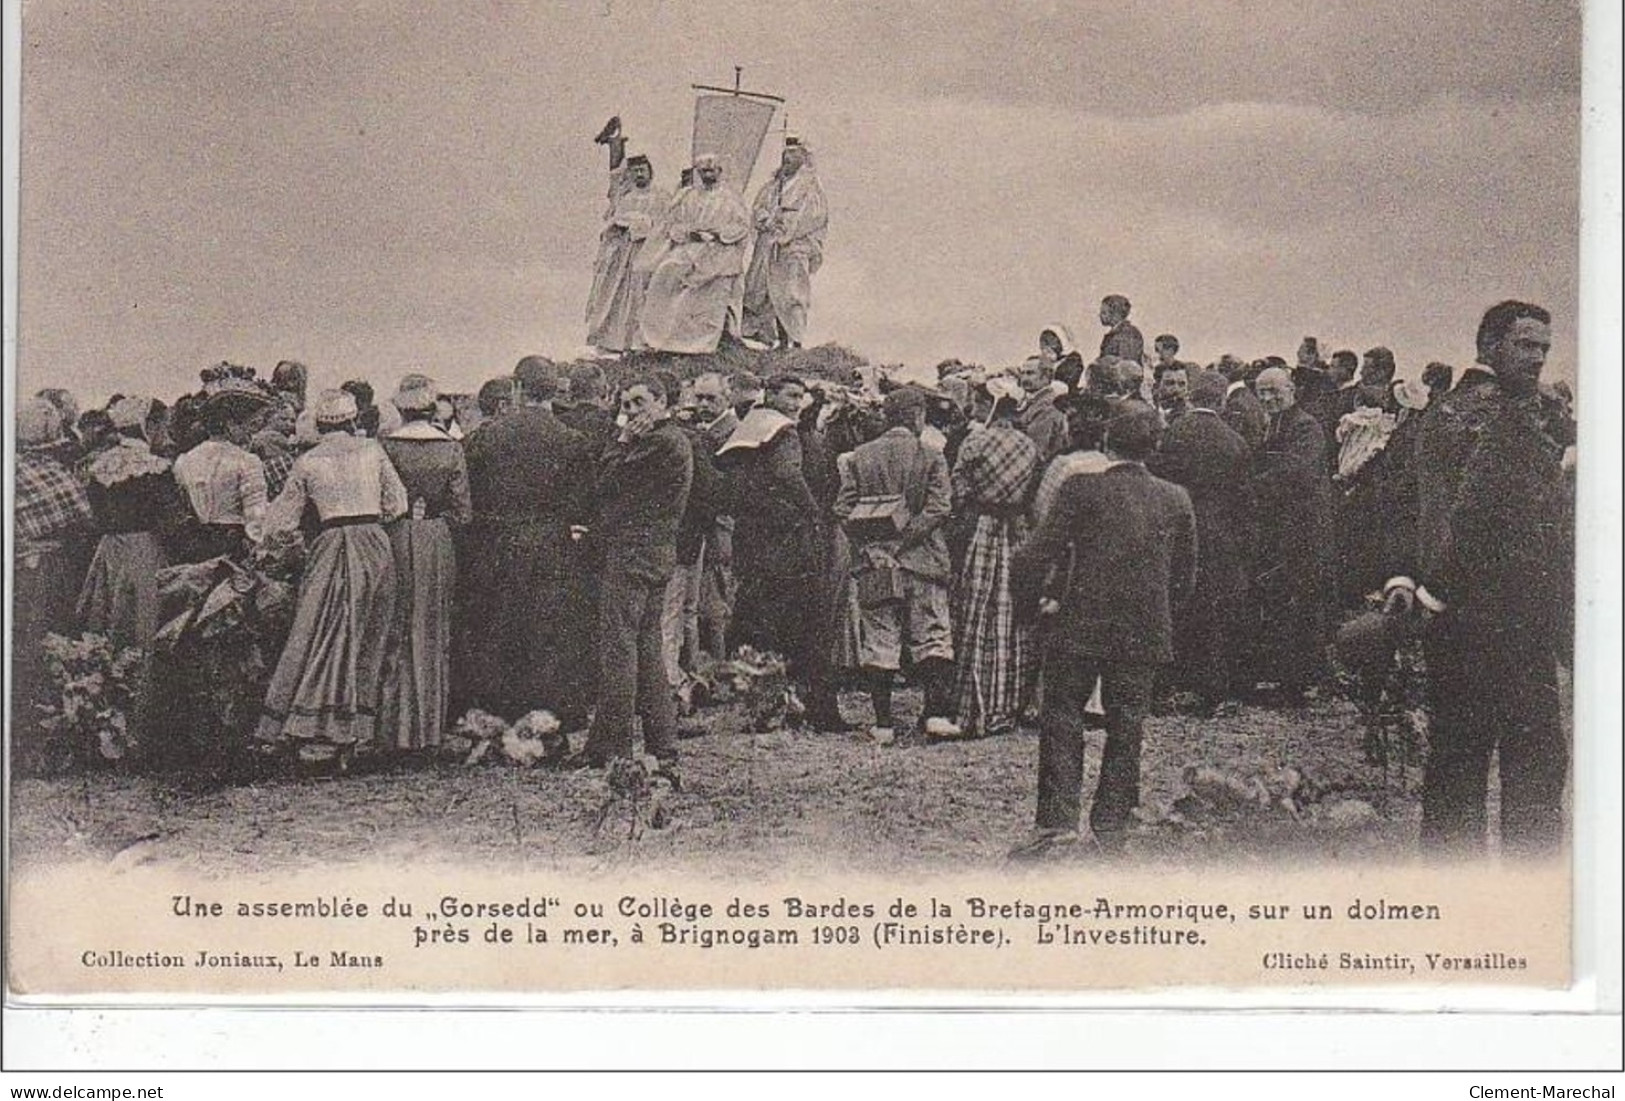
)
(1506, 1026)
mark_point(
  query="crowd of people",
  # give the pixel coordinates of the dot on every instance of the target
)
(1065, 543)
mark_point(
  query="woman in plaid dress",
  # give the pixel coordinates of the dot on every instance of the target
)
(52, 515)
(993, 479)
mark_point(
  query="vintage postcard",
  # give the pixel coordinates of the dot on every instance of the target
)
(911, 498)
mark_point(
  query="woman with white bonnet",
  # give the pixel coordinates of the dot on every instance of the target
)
(1055, 345)
(323, 699)
(417, 664)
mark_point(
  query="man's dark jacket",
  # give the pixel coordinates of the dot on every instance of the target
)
(643, 489)
(707, 491)
(1126, 540)
(1293, 491)
(1206, 456)
(1124, 341)
(775, 513)
(592, 421)
(1492, 514)
(527, 463)
(524, 609)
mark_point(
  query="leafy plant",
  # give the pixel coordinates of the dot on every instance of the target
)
(756, 678)
(94, 687)
(225, 622)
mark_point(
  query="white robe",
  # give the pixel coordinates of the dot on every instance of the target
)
(621, 274)
(693, 286)
(791, 217)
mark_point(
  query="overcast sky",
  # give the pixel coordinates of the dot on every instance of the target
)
(380, 187)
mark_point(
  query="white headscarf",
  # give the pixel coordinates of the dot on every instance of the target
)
(1063, 334)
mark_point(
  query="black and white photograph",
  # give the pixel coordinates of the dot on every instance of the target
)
(626, 495)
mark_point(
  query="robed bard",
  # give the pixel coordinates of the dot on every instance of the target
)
(790, 217)
(695, 282)
(637, 209)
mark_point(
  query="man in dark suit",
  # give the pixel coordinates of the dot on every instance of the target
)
(1122, 339)
(715, 422)
(1240, 409)
(1292, 487)
(1490, 580)
(1336, 394)
(523, 634)
(642, 489)
(1124, 544)
(779, 547)
(1206, 456)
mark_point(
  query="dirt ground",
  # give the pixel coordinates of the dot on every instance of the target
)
(751, 803)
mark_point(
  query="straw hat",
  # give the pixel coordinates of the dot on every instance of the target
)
(232, 391)
(335, 407)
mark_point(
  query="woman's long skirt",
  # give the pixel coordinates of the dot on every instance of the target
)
(324, 696)
(417, 666)
(120, 595)
(120, 600)
(997, 659)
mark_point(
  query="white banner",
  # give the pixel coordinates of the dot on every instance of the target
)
(733, 128)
